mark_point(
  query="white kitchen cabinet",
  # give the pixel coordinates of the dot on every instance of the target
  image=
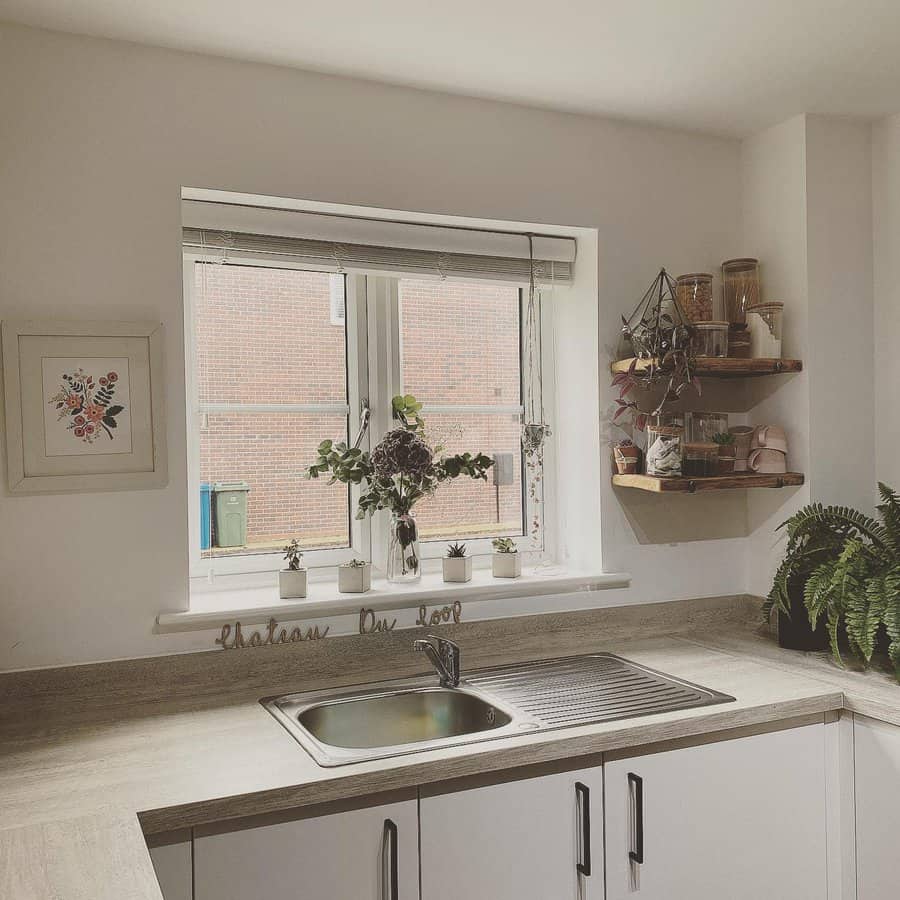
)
(741, 819)
(877, 764)
(368, 853)
(519, 840)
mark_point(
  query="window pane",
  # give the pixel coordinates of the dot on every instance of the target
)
(466, 508)
(269, 335)
(460, 341)
(270, 453)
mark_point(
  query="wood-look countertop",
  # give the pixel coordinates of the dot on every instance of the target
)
(78, 797)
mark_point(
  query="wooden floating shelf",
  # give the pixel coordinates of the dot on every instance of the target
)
(727, 367)
(683, 485)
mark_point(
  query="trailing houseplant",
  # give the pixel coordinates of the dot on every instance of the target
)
(842, 568)
(457, 564)
(399, 472)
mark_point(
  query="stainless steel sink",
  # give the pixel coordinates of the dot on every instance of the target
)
(406, 717)
(389, 719)
(409, 716)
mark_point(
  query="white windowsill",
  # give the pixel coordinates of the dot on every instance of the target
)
(257, 604)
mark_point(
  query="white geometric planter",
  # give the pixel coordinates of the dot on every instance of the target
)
(506, 565)
(355, 579)
(457, 568)
(292, 584)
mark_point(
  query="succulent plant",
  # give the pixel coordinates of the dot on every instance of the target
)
(293, 553)
(356, 563)
(504, 545)
(456, 551)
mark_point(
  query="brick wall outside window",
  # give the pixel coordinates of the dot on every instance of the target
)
(267, 336)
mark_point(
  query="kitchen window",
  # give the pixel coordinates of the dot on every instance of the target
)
(282, 354)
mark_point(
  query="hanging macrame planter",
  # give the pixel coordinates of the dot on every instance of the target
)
(535, 429)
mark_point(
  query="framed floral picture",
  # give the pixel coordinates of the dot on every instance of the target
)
(84, 406)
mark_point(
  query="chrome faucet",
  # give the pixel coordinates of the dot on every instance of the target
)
(444, 656)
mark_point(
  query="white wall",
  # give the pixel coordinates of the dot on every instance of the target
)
(773, 170)
(98, 139)
(808, 212)
(886, 217)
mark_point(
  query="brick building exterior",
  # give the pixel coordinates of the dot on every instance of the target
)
(275, 336)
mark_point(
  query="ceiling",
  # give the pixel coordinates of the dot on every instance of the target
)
(709, 65)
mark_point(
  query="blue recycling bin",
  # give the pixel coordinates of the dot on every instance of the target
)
(205, 515)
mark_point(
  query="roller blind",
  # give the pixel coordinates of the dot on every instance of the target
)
(338, 243)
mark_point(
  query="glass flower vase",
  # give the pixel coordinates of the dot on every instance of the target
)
(403, 561)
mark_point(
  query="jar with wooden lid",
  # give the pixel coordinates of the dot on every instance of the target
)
(664, 438)
(694, 295)
(764, 326)
(710, 339)
(740, 287)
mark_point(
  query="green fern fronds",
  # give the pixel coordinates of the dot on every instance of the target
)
(817, 591)
(889, 510)
(837, 519)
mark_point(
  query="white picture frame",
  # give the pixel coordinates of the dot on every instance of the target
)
(84, 406)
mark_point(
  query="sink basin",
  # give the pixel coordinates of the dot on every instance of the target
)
(406, 717)
(412, 715)
(341, 727)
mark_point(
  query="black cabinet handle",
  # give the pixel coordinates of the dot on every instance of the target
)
(390, 836)
(583, 793)
(637, 855)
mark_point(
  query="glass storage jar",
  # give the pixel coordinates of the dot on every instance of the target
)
(702, 427)
(664, 449)
(701, 460)
(764, 325)
(694, 295)
(740, 287)
(711, 339)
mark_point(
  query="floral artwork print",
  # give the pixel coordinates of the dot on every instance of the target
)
(87, 405)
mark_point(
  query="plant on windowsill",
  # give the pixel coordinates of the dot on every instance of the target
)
(355, 577)
(505, 560)
(402, 470)
(292, 580)
(727, 451)
(457, 564)
(841, 572)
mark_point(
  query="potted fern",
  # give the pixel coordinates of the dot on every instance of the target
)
(841, 573)
(457, 564)
(354, 577)
(292, 580)
(505, 560)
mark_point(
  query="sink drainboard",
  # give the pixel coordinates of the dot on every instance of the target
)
(581, 690)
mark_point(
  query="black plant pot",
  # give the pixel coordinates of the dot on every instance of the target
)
(794, 631)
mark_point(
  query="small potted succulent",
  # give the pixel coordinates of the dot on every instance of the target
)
(505, 561)
(457, 564)
(355, 577)
(725, 442)
(292, 580)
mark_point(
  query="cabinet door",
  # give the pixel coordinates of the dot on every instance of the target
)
(533, 839)
(742, 819)
(171, 857)
(877, 763)
(364, 853)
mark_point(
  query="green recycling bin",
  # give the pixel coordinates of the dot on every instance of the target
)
(230, 505)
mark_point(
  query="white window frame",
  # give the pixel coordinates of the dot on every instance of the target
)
(357, 386)
(373, 375)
